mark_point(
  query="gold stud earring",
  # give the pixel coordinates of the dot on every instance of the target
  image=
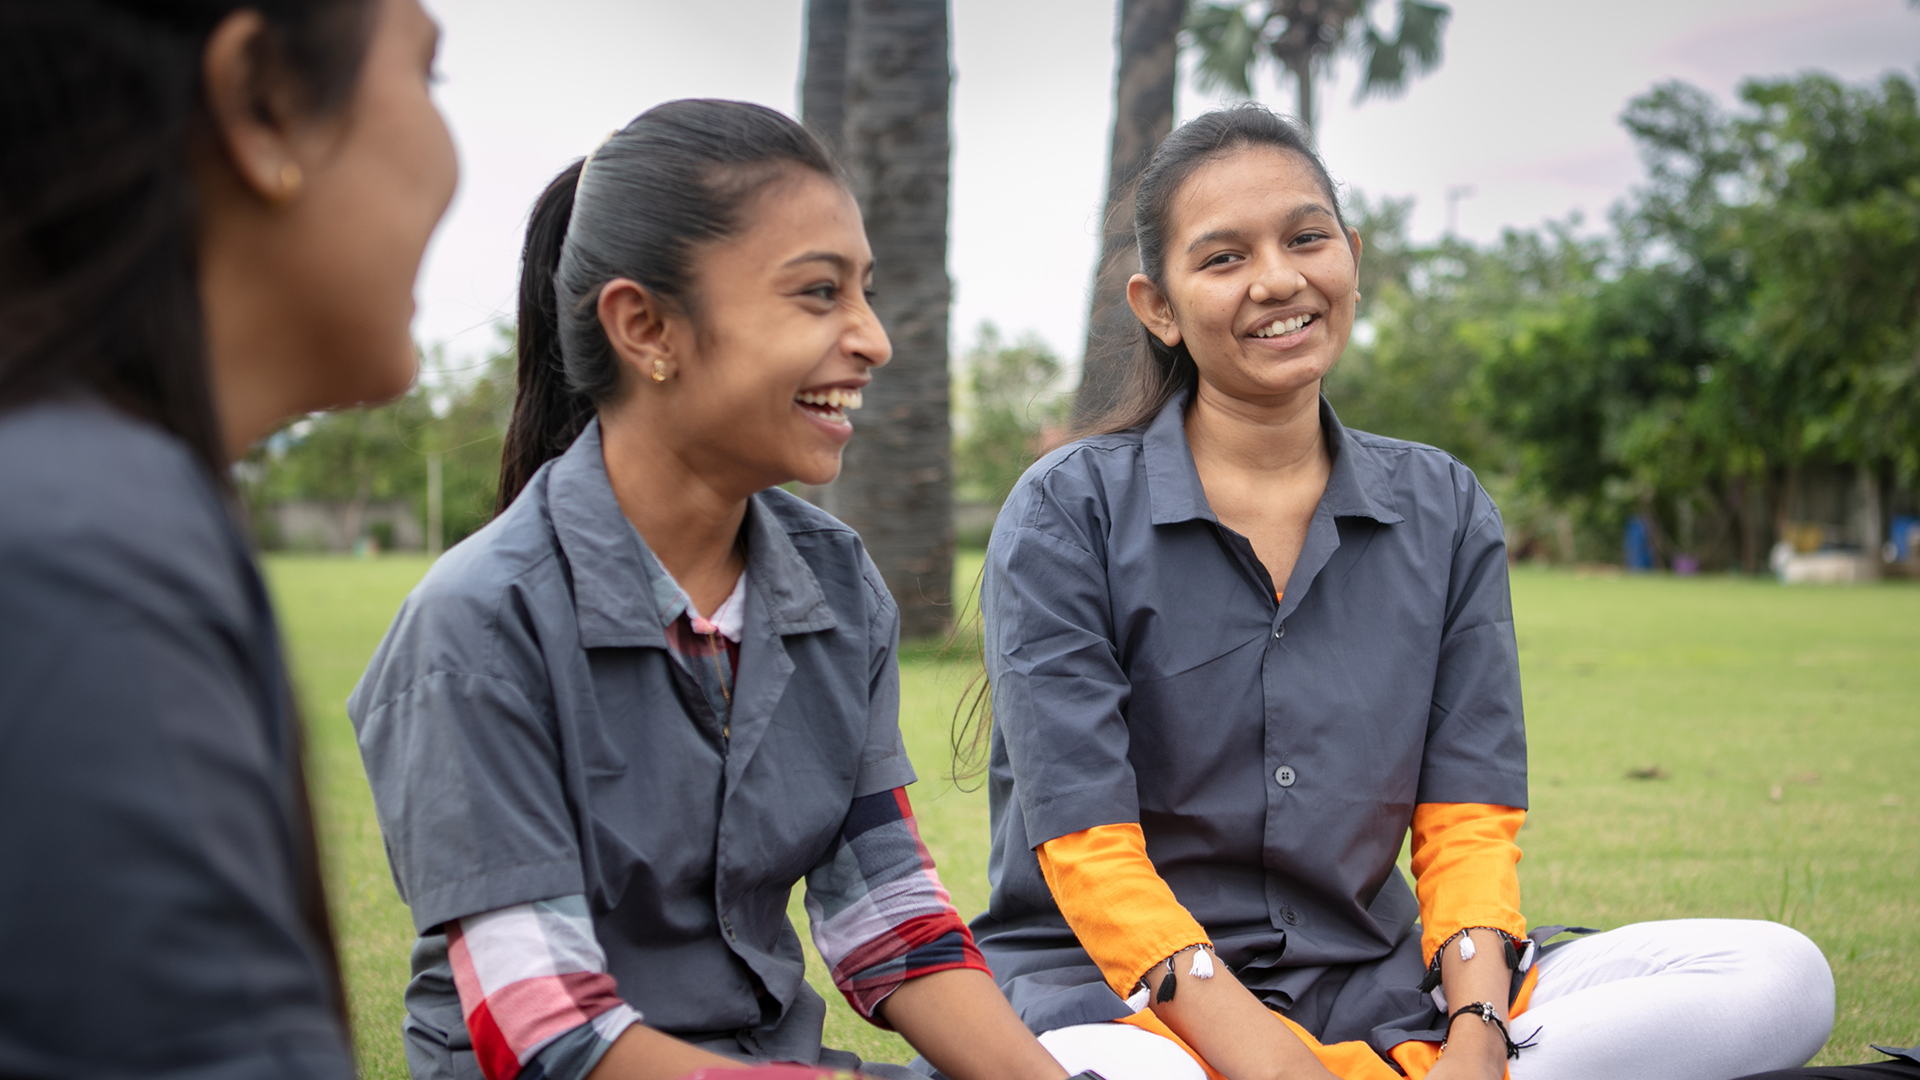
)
(659, 370)
(290, 179)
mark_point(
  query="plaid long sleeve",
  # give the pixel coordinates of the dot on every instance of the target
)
(879, 913)
(534, 990)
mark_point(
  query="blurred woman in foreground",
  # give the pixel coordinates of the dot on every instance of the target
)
(211, 216)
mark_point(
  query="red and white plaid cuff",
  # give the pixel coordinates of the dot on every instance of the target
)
(529, 974)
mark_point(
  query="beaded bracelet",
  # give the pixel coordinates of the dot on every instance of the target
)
(1485, 1011)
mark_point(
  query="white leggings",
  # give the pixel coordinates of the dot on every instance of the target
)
(1686, 999)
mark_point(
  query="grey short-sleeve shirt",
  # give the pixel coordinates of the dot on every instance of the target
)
(154, 859)
(1272, 750)
(527, 738)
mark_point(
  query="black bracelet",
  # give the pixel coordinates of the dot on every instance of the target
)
(1089, 1074)
(1485, 1011)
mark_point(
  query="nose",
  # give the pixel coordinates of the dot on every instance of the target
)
(867, 340)
(1277, 279)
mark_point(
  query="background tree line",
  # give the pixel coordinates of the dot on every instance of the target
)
(1747, 314)
(1753, 310)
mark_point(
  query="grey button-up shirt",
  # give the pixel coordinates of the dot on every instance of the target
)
(528, 736)
(1272, 751)
(153, 837)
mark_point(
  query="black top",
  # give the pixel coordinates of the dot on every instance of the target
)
(1271, 748)
(151, 834)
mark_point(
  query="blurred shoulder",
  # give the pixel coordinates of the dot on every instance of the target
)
(76, 468)
(101, 512)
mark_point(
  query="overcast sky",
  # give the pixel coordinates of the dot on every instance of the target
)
(1525, 111)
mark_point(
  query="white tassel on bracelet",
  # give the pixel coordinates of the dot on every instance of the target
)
(1202, 968)
(1466, 948)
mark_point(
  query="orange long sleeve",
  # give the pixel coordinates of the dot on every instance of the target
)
(1466, 870)
(1116, 902)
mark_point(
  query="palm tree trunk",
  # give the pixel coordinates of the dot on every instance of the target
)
(823, 79)
(896, 486)
(1142, 116)
(1303, 97)
(823, 108)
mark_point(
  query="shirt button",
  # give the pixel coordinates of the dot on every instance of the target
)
(1280, 631)
(727, 925)
(1285, 776)
(1289, 916)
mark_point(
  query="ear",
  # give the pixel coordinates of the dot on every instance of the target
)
(254, 109)
(1353, 245)
(1150, 306)
(640, 327)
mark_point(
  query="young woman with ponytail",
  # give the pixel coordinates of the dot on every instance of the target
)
(211, 217)
(610, 732)
(1240, 654)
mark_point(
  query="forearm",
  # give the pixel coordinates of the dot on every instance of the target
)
(961, 1023)
(1221, 1020)
(1472, 1044)
(642, 1053)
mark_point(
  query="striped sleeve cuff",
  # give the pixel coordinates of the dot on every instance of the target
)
(532, 978)
(879, 914)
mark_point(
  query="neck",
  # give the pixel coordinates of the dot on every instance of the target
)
(253, 388)
(1277, 438)
(689, 518)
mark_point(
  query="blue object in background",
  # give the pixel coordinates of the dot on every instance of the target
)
(1638, 544)
(1902, 537)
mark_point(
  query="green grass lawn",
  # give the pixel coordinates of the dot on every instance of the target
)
(1780, 729)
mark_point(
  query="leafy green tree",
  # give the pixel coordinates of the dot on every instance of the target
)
(1759, 311)
(1304, 38)
(357, 456)
(1009, 407)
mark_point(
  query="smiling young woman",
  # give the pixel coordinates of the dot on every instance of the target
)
(611, 731)
(1238, 652)
(211, 217)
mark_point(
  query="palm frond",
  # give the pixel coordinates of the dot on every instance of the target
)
(1227, 45)
(1415, 49)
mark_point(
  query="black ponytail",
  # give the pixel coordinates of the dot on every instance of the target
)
(547, 413)
(678, 177)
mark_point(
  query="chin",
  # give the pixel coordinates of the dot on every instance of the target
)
(818, 472)
(388, 376)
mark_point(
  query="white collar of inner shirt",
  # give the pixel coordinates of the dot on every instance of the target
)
(728, 619)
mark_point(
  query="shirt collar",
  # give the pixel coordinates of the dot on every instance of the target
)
(728, 619)
(617, 582)
(1356, 487)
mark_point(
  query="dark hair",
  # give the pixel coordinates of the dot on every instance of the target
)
(99, 278)
(101, 104)
(1156, 372)
(678, 177)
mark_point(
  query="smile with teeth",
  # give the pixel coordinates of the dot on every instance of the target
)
(832, 404)
(1284, 326)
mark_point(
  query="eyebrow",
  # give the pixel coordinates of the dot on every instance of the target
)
(838, 261)
(1293, 218)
